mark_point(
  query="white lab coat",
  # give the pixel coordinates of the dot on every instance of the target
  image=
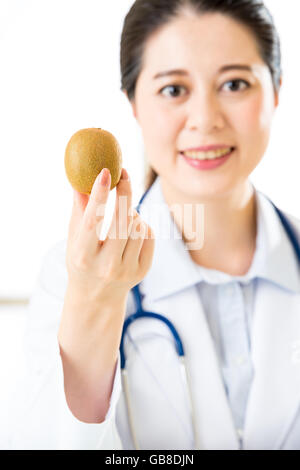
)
(162, 420)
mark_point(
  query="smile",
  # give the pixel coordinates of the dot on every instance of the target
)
(211, 155)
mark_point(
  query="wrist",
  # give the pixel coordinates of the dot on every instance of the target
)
(107, 298)
(87, 316)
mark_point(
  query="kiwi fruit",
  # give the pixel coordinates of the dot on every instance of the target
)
(87, 152)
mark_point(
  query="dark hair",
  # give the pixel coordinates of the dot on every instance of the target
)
(146, 16)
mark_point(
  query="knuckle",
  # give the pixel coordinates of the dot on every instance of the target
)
(80, 262)
(137, 230)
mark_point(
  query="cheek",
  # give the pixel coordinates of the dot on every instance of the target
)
(249, 118)
(252, 125)
(160, 128)
(254, 117)
(160, 125)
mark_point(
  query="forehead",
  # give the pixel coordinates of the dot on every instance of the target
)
(207, 40)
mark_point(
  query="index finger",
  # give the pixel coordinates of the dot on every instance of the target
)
(118, 232)
(95, 210)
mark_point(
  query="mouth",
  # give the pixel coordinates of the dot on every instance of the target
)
(210, 155)
(207, 160)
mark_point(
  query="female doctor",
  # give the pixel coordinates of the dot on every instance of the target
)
(201, 75)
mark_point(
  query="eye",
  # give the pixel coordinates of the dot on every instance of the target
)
(175, 89)
(235, 87)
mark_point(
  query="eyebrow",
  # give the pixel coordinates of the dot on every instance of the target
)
(225, 68)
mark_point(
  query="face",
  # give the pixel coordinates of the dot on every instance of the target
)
(203, 105)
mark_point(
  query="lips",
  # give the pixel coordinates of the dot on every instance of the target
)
(207, 154)
(206, 164)
(208, 148)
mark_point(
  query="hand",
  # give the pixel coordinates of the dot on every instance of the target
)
(101, 273)
(107, 269)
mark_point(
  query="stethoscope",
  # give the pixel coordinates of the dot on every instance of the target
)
(141, 313)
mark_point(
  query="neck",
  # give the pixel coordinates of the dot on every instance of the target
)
(228, 227)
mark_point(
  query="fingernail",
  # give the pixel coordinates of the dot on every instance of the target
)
(104, 176)
(124, 175)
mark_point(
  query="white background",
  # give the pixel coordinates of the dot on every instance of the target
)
(60, 73)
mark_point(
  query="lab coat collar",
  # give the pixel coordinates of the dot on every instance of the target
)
(174, 270)
(277, 261)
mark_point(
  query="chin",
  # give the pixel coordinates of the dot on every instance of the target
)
(207, 191)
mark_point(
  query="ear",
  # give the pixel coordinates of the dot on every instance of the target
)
(277, 93)
(132, 104)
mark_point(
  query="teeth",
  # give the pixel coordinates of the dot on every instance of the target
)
(207, 155)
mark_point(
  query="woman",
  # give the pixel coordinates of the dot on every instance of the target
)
(201, 75)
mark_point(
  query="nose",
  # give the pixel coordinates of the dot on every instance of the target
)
(204, 112)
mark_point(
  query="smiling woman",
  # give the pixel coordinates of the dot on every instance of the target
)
(205, 111)
(203, 79)
(251, 19)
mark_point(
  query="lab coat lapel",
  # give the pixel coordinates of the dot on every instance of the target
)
(275, 393)
(214, 424)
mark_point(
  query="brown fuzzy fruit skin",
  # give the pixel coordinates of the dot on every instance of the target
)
(87, 152)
